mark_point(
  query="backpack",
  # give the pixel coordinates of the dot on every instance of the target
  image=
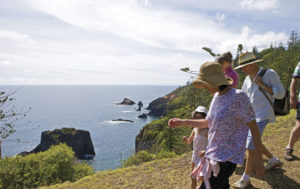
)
(281, 106)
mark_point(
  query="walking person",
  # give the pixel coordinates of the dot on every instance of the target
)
(294, 101)
(226, 61)
(199, 139)
(229, 119)
(270, 83)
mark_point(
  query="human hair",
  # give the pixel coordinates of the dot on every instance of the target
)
(225, 57)
(222, 87)
(202, 114)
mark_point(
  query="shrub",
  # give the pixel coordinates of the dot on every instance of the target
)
(144, 156)
(165, 154)
(53, 166)
(137, 158)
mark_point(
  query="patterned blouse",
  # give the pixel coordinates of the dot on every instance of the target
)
(227, 118)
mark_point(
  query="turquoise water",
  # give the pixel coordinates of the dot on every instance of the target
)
(82, 107)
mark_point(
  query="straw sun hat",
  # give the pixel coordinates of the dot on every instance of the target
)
(211, 74)
(246, 59)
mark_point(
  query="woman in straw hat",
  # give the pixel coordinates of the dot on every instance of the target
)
(229, 118)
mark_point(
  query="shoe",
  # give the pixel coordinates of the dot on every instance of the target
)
(288, 154)
(271, 165)
(241, 184)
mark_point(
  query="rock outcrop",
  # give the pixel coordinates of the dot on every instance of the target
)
(79, 140)
(125, 120)
(144, 116)
(126, 101)
(159, 106)
(140, 104)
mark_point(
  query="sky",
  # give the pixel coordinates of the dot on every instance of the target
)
(131, 42)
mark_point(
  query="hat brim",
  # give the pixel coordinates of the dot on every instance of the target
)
(256, 61)
(200, 83)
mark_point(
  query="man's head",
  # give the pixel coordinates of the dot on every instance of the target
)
(248, 63)
(250, 68)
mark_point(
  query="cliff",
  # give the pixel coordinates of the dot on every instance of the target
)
(159, 107)
(157, 136)
(79, 140)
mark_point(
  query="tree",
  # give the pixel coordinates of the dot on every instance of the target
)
(210, 52)
(292, 39)
(8, 116)
(240, 49)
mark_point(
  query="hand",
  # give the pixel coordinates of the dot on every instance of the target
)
(293, 101)
(185, 139)
(201, 153)
(174, 122)
(258, 80)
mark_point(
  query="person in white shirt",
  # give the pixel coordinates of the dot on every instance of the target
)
(252, 86)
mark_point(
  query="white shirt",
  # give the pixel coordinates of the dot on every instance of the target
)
(262, 108)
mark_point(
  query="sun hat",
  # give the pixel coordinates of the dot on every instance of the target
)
(211, 74)
(246, 59)
(199, 109)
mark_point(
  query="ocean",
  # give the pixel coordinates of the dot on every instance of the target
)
(88, 108)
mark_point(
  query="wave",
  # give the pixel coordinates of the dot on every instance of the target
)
(128, 111)
(110, 122)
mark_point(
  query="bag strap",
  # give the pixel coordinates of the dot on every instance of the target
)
(261, 74)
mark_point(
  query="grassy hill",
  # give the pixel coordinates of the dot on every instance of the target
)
(173, 172)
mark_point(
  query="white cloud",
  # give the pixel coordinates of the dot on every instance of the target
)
(119, 42)
(259, 4)
(159, 28)
(249, 39)
(5, 62)
(221, 16)
(13, 35)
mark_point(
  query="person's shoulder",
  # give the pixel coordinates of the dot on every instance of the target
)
(240, 94)
(270, 72)
(233, 73)
(297, 68)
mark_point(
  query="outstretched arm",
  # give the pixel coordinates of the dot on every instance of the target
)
(199, 123)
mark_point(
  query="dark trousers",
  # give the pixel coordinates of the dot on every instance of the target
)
(222, 180)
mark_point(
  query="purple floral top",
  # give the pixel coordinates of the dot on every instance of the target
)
(229, 72)
(227, 118)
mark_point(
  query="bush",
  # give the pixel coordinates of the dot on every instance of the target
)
(165, 154)
(144, 156)
(53, 166)
(137, 158)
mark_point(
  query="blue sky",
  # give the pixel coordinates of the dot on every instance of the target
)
(130, 42)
